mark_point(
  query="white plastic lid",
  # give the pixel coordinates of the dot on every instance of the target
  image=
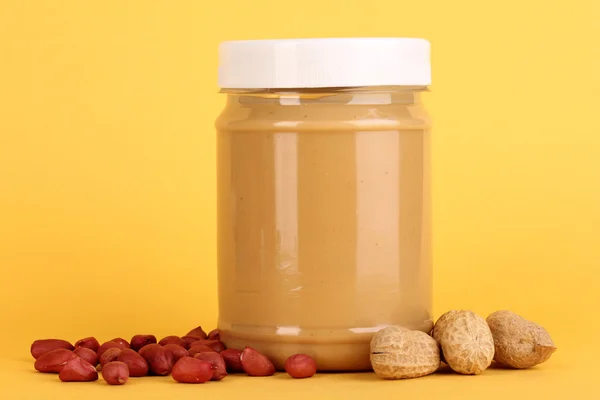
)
(314, 63)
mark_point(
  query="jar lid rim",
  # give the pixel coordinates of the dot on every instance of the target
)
(324, 62)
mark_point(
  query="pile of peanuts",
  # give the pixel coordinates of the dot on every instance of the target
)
(194, 358)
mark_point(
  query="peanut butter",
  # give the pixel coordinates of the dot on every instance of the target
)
(323, 221)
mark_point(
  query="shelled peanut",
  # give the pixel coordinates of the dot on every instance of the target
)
(196, 357)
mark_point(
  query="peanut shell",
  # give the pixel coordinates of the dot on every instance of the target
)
(399, 353)
(519, 343)
(466, 341)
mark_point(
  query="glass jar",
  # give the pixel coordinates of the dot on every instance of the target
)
(323, 196)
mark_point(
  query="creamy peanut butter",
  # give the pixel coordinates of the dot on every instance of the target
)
(323, 221)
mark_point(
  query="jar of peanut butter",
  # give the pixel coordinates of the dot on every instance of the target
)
(324, 196)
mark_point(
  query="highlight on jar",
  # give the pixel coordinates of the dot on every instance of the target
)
(324, 232)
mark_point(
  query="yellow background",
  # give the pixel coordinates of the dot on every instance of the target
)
(107, 174)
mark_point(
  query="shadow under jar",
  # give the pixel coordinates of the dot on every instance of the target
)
(323, 196)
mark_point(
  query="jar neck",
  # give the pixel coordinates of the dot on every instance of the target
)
(401, 95)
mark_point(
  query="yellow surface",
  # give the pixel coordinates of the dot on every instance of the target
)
(107, 174)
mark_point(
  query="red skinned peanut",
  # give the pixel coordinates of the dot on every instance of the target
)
(138, 366)
(53, 361)
(159, 358)
(255, 363)
(192, 370)
(42, 346)
(214, 335)
(216, 345)
(232, 360)
(88, 355)
(300, 366)
(188, 340)
(89, 343)
(78, 370)
(218, 364)
(199, 332)
(177, 350)
(139, 341)
(115, 373)
(109, 355)
(108, 345)
(172, 340)
(199, 349)
(122, 341)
